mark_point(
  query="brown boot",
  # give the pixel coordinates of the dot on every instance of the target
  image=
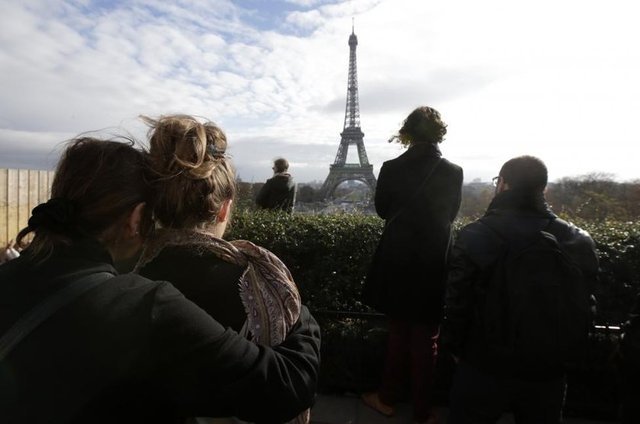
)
(372, 400)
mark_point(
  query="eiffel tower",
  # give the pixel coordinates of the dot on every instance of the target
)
(351, 134)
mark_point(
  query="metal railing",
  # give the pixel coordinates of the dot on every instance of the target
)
(354, 347)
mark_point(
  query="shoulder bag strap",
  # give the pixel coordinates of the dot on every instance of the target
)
(415, 194)
(36, 316)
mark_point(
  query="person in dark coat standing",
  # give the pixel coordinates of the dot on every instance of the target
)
(418, 195)
(278, 193)
(490, 378)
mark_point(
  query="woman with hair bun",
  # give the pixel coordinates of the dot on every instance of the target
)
(243, 286)
(418, 195)
(80, 343)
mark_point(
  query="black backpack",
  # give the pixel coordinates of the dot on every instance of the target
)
(537, 310)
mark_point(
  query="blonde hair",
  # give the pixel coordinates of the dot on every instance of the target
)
(188, 170)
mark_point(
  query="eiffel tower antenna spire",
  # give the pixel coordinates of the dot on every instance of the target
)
(351, 134)
(352, 112)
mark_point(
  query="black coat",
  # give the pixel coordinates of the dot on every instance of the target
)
(136, 350)
(476, 251)
(630, 367)
(278, 193)
(203, 278)
(406, 278)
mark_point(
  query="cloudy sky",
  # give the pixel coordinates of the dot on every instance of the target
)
(559, 79)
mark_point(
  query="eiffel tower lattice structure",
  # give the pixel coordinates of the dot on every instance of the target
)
(341, 171)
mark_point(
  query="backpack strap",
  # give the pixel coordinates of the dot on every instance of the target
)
(45, 309)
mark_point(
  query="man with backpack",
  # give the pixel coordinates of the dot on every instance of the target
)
(518, 303)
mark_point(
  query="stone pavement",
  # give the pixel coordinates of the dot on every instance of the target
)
(348, 409)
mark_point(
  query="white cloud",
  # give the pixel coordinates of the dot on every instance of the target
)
(557, 79)
(304, 3)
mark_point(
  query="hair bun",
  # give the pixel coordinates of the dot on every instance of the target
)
(57, 214)
(189, 171)
(180, 145)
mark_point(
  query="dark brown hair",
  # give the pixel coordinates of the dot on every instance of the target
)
(423, 125)
(189, 171)
(96, 183)
(527, 173)
(280, 165)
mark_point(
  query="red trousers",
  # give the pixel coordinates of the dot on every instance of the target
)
(412, 350)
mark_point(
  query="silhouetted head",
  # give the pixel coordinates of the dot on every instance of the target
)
(280, 165)
(423, 125)
(97, 186)
(523, 173)
(191, 176)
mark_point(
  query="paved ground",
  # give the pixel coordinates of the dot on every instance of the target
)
(349, 410)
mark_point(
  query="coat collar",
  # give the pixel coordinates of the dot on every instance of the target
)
(429, 149)
(519, 202)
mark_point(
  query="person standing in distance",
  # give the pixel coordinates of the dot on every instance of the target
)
(278, 193)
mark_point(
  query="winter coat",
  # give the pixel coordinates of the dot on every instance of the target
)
(203, 277)
(238, 283)
(629, 367)
(278, 193)
(477, 249)
(406, 277)
(132, 350)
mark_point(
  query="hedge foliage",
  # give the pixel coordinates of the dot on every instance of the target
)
(328, 256)
(618, 245)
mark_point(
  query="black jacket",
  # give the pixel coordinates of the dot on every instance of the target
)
(477, 249)
(203, 278)
(629, 362)
(630, 344)
(135, 350)
(277, 193)
(406, 278)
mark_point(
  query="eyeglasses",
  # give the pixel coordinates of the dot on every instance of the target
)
(495, 181)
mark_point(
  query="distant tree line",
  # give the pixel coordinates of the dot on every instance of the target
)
(596, 197)
(593, 197)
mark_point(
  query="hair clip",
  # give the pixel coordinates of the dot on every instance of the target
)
(214, 151)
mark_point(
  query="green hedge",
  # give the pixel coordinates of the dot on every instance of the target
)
(328, 256)
(618, 245)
